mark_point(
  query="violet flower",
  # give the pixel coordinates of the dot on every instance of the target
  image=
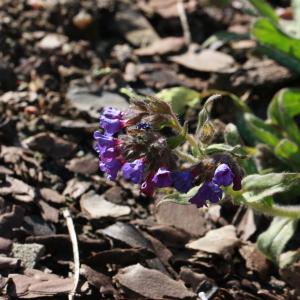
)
(182, 181)
(223, 175)
(134, 171)
(111, 120)
(162, 178)
(112, 113)
(111, 168)
(208, 191)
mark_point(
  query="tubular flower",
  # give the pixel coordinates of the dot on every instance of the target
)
(134, 171)
(162, 178)
(223, 175)
(182, 181)
(111, 168)
(208, 191)
(111, 120)
(112, 113)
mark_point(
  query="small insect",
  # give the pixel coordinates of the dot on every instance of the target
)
(145, 126)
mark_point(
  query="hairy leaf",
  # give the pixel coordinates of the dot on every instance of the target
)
(285, 106)
(277, 44)
(264, 9)
(179, 98)
(273, 240)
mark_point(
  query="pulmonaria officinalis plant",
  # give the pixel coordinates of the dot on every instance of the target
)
(143, 145)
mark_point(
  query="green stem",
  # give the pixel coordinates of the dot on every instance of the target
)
(291, 211)
(185, 156)
(188, 137)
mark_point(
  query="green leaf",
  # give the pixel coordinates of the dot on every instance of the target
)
(276, 44)
(237, 151)
(179, 198)
(223, 37)
(258, 130)
(289, 152)
(179, 98)
(273, 241)
(258, 187)
(285, 106)
(231, 135)
(175, 141)
(264, 9)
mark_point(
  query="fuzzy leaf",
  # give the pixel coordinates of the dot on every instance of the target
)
(258, 187)
(237, 151)
(259, 130)
(276, 44)
(285, 106)
(179, 98)
(273, 240)
(288, 152)
(264, 9)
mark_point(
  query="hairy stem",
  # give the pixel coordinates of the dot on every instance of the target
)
(291, 211)
(188, 137)
(185, 156)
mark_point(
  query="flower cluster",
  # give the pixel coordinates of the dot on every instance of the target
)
(143, 155)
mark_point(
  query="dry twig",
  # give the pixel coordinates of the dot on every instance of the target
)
(74, 242)
(184, 22)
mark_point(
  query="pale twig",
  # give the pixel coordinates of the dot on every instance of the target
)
(74, 242)
(184, 22)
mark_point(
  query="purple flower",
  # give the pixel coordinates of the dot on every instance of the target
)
(111, 168)
(162, 178)
(104, 140)
(182, 181)
(223, 175)
(111, 113)
(111, 120)
(147, 187)
(134, 170)
(111, 126)
(208, 191)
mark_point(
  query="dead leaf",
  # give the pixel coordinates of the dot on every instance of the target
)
(152, 284)
(134, 26)
(246, 227)
(17, 189)
(184, 217)
(206, 60)
(49, 213)
(52, 196)
(86, 165)
(171, 236)
(127, 234)
(29, 287)
(255, 260)
(5, 245)
(291, 275)
(75, 188)
(50, 144)
(162, 47)
(9, 263)
(221, 241)
(99, 280)
(96, 207)
(123, 257)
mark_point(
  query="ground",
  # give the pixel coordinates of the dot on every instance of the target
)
(62, 61)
